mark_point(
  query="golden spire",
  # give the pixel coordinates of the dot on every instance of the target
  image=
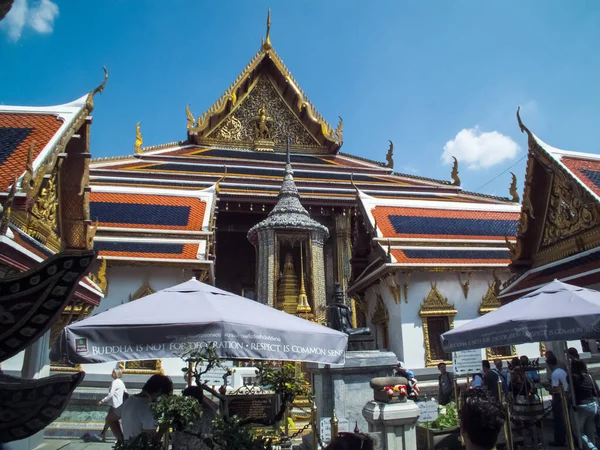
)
(267, 41)
(513, 189)
(303, 306)
(454, 173)
(138, 139)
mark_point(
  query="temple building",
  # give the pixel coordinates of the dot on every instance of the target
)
(558, 235)
(260, 200)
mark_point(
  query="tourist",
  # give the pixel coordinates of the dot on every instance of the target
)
(481, 419)
(559, 378)
(193, 436)
(351, 441)
(135, 414)
(477, 381)
(502, 375)
(584, 389)
(532, 374)
(446, 385)
(412, 386)
(490, 379)
(519, 385)
(114, 399)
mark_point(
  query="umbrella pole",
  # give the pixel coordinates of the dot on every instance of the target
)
(507, 423)
(572, 391)
(567, 417)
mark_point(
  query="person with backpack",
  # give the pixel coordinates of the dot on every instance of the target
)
(446, 385)
(502, 375)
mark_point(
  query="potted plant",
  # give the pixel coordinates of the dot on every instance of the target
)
(442, 433)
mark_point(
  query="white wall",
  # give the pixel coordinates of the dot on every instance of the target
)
(405, 326)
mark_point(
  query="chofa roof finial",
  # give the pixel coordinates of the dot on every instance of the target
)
(267, 41)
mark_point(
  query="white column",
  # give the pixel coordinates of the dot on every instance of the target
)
(394, 422)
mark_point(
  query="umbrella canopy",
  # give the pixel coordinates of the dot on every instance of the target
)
(555, 312)
(190, 315)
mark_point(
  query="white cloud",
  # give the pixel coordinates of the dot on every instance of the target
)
(39, 16)
(480, 150)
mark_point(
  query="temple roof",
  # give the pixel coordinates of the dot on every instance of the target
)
(437, 233)
(288, 213)
(24, 126)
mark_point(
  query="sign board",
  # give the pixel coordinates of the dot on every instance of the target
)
(467, 362)
(214, 377)
(429, 411)
(258, 406)
(343, 427)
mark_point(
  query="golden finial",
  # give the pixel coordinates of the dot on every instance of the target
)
(221, 179)
(339, 131)
(267, 41)
(100, 279)
(303, 306)
(29, 162)
(190, 118)
(138, 139)
(454, 173)
(90, 98)
(513, 189)
(7, 209)
(389, 157)
(91, 234)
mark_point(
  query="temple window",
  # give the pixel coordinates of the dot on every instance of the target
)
(380, 321)
(490, 303)
(438, 317)
(149, 366)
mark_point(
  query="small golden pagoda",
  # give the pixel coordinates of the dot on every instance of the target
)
(287, 293)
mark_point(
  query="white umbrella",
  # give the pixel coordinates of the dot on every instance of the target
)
(190, 315)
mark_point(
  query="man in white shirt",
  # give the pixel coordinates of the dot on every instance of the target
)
(559, 378)
(135, 413)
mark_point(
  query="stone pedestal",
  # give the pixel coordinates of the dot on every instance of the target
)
(393, 424)
(346, 388)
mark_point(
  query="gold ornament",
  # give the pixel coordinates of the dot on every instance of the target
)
(454, 173)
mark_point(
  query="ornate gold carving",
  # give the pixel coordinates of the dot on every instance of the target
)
(7, 208)
(570, 211)
(339, 131)
(231, 129)
(262, 124)
(90, 234)
(406, 284)
(303, 306)
(46, 203)
(489, 302)
(389, 157)
(435, 304)
(393, 287)
(465, 286)
(245, 126)
(32, 182)
(497, 283)
(100, 279)
(543, 349)
(513, 189)
(144, 290)
(144, 367)
(90, 98)
(138, 139)
(454, 173)
(191, 122)
(492, 353)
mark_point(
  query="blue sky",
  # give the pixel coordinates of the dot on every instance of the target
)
(428, 75)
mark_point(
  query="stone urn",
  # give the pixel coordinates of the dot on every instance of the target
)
(389, 389)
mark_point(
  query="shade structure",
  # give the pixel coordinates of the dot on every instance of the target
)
(193, 314)
(555, 312)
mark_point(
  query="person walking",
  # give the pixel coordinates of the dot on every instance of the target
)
(490, 380)
(114, 399)
(446, 385)
(586, 400)
(502, 375)
(558, 378)
(135, 414)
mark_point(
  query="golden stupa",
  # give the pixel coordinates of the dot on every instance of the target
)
(287, 294)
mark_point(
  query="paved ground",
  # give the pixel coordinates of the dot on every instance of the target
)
(66, 444)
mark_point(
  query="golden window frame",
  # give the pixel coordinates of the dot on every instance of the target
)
(143, 367)
(435, 305)
(489, 303)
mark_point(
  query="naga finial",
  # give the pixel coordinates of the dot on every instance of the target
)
(454, 173)
(389, 157)
(90, 98)
(218, 183)
(513, 189)
(138, 139)
(339, 131)
(521, 126)
(267, 41)
(7, 209)
(190, 118)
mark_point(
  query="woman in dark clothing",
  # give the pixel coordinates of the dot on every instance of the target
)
(587, 406)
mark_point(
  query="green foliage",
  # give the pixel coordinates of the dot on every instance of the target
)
(447, 417)
(286, 381)
(202, 360)
(232, 435)
(142, 442)
(176, 411)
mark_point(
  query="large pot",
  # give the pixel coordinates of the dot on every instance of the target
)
(447, 439)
